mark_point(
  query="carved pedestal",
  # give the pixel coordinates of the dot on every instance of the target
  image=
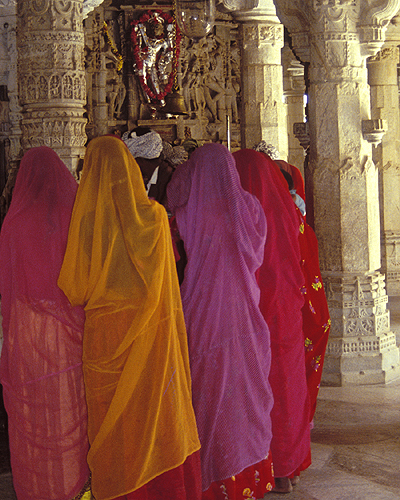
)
(52, 86)
(361, 348)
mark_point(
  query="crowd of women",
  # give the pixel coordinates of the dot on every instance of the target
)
(121, 384)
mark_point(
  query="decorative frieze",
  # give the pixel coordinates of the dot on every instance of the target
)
(259, 33)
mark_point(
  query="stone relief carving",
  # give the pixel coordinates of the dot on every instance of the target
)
(209, 76)
(87, 5)
(261, 33)
(361, 315)
(349, 170)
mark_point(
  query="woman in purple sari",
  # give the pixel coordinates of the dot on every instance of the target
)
(224, 229)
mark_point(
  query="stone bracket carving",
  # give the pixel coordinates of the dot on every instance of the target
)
(374, 130)
(302, 134)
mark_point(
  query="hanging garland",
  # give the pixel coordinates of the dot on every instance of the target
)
(113, 47)
(138, 50)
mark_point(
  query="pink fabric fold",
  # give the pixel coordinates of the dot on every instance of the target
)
(224, 230)
(41, 360)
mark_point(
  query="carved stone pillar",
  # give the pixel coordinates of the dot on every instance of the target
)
(293, 90)
(52, 87)
(263, 112)
(382, 76)
(336, 37)
(8, 22)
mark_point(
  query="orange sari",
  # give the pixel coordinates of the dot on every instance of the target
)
(119, 264)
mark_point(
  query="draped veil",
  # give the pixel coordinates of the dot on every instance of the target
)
(223, 229)
(119, 264)
(41, 361)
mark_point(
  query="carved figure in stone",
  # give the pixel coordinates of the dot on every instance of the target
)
(112, 98)
(214, 80)
(231, 101)
(121, 95)
(158, 51)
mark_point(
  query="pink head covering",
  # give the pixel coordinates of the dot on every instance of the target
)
(224, 230)
(40, 366)
(280, 278)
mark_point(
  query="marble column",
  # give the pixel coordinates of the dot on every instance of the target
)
(293, 90)
(8, 77)
(336, 38)
(382, 77)
(51, 76)
(263, 115)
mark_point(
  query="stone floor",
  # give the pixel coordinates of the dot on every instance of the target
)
(355, 444)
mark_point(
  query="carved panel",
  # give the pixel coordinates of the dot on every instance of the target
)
(209, 78)
(261, 33)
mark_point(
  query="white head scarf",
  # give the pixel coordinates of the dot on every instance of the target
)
(144, 146)
(268, 149)
(175, 155)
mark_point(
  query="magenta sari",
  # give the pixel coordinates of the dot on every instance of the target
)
(281, 280)
(41, 359)
(223, 229)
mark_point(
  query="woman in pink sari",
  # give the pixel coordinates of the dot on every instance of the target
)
(41, 359)
(223, 229)
(281, 279)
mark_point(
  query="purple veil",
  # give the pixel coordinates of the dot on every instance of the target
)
(224, 230)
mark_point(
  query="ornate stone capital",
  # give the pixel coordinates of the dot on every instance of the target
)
(89, 5)
(365, 20)
(265, 12)
(236, 5)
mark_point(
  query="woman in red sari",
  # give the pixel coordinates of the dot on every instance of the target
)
(281, 279)
(41, 360)
(316, 318)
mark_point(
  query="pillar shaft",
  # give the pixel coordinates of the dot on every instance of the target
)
(294, 89)
(52, 86)
(336, 38)
(263, 111)
(382, 77)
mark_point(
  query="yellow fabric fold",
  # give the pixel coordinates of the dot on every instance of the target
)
(119, 264)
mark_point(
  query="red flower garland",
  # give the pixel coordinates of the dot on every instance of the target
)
(138, 60)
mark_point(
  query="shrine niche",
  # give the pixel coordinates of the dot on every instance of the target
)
(135, 57)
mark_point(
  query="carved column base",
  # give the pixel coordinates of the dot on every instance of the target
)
(361, 348)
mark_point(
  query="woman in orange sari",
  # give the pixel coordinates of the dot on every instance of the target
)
(119, 265)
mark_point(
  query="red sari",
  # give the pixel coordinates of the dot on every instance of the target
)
(281, 279)
(252, 483)
(316, 319)
(298, 180)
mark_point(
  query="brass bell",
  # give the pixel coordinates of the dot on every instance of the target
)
(174, 103)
